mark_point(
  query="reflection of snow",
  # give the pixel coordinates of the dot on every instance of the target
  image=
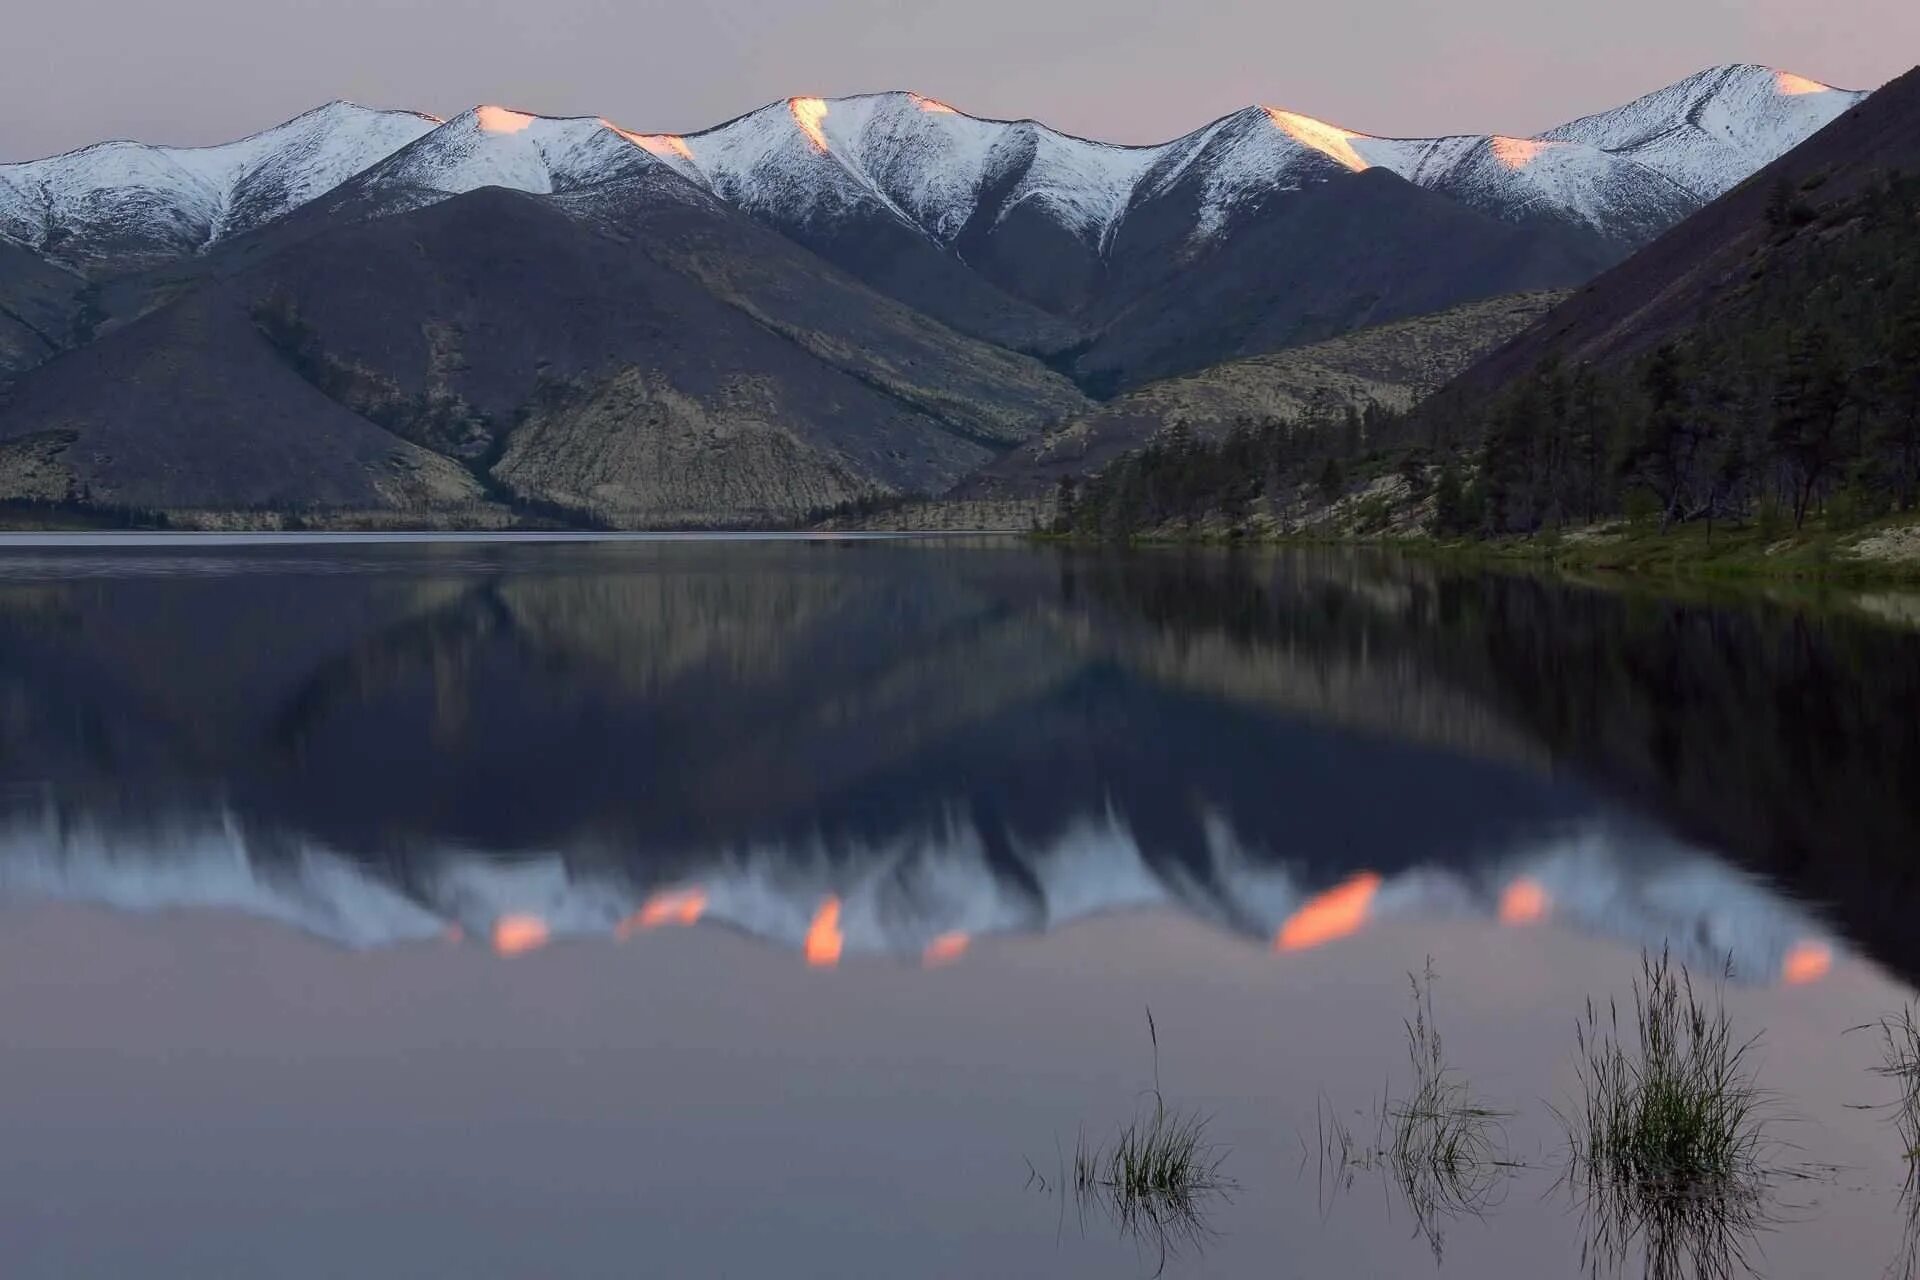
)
(927, 894)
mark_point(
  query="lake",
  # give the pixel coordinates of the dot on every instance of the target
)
(746, 907)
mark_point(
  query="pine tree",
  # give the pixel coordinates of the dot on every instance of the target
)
(1807, 401)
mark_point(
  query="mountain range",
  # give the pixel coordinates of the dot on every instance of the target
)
(382, 316)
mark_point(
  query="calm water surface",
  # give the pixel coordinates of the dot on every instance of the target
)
(791, 908)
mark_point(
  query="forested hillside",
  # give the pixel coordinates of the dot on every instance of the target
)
(1761, 366)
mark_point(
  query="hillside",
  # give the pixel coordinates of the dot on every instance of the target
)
(1757, 367)
(1758, 360)
(529, 353)
(1389, 366)
(1684, 275)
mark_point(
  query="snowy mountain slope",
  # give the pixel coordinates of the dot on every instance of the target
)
(130, 204)
(931, 165)
(1711, 130)
(881, 186)
(491, 146)
(950, 177)
(1517, 179)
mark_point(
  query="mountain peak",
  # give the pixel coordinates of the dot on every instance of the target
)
(1329, 140)
(1712, 129)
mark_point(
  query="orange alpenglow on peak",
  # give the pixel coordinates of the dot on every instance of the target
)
(1794, 86)
(1518, 153)
(1524, 902)
(1806, 962)
(500, 120)
(808, 113)
(659, 144)
(932, 106)
(945, 949)
(1338, 912)
(515, 935)
(1329, 140)
(824, 939)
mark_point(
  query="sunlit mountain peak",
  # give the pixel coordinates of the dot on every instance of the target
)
(1329, 140)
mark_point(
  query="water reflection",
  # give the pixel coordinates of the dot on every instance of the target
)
(906, 750)
(1696, 1233)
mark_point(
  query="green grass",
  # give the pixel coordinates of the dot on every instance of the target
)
(1668, 1140)
(1745, 551)
(1674, 1106)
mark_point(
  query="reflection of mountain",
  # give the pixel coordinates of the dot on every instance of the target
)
(939, 740)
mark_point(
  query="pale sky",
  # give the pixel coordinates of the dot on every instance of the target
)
(196, 71)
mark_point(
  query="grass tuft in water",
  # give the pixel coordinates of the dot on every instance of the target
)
(1159, 1175)
(1443, 1147)
(1900, 1063)
(1675, 1104)
(1162, 1152)
(1448, 1149)
(1669, 1136)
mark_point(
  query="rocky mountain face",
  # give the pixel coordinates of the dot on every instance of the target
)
(823, 300)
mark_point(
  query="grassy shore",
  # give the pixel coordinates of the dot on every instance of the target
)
(1886, 551)
(1882, 552)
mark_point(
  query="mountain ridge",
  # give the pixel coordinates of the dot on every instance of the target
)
(920, 289)
(1134, 164)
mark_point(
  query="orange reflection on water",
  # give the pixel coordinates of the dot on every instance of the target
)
(1795, 86)
(823, 936)
(453, 933)
(1334, 914)
(501, 120)
(1328, 139)
(1806, 962)
(808, 113)
(517, 934)
(674, 906)
(945, 949)
(1524, 902)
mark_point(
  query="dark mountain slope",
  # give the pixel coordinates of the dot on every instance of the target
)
(982, 391)
(39, 304)
(631, 390)
(1353, 250)
(191, 408)
(899, 261)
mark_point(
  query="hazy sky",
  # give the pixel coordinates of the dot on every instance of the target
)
(190, 71)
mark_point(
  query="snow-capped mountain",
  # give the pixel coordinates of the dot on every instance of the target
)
(1625, 174)
(934, 167)
(134, 204)
(1710, 131)
(951, 177)
(493, 146)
